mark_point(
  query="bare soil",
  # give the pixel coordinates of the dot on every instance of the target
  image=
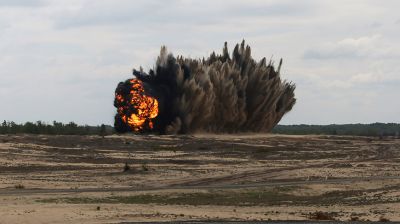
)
(81, 179)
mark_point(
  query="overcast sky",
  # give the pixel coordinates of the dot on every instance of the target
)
(62, 59)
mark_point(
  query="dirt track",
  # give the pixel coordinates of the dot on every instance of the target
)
(14, 191)
(292, 176)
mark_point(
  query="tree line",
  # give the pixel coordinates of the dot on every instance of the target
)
(71, 128)
(56, 128)
(374, 129)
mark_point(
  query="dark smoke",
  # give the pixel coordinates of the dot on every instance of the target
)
(222, 93)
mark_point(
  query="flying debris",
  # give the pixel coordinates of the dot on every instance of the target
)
(222, 93)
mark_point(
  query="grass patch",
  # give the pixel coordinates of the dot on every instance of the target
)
(383, 219)
(145, 167)
(262, 196)
(247, 198)
(318, 215)
(19, 186)
(126, 167)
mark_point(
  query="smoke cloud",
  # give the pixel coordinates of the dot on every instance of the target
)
(222, 94)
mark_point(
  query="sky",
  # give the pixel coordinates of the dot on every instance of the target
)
(62, 59)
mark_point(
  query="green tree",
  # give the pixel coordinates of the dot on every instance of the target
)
(102, 131)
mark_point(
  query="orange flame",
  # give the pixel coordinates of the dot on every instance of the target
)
(145, 107)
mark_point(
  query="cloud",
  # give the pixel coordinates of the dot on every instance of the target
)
(352, 48)
(108, 13)
(280, 9)
(22, 3)
(193, 13)
(63, 59)
(366, 78)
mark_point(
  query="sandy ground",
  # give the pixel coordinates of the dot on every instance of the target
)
(204, 177)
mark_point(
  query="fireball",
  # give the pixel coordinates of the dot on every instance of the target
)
(136, 109)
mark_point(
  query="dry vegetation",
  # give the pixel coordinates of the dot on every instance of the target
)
(81, 179)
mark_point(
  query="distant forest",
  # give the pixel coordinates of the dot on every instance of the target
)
(56, 128)
(71, 128)
(375, 129)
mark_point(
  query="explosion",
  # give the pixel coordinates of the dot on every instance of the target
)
(135, 108)
(222, 93)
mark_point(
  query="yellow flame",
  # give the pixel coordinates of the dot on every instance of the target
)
(146, 107)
